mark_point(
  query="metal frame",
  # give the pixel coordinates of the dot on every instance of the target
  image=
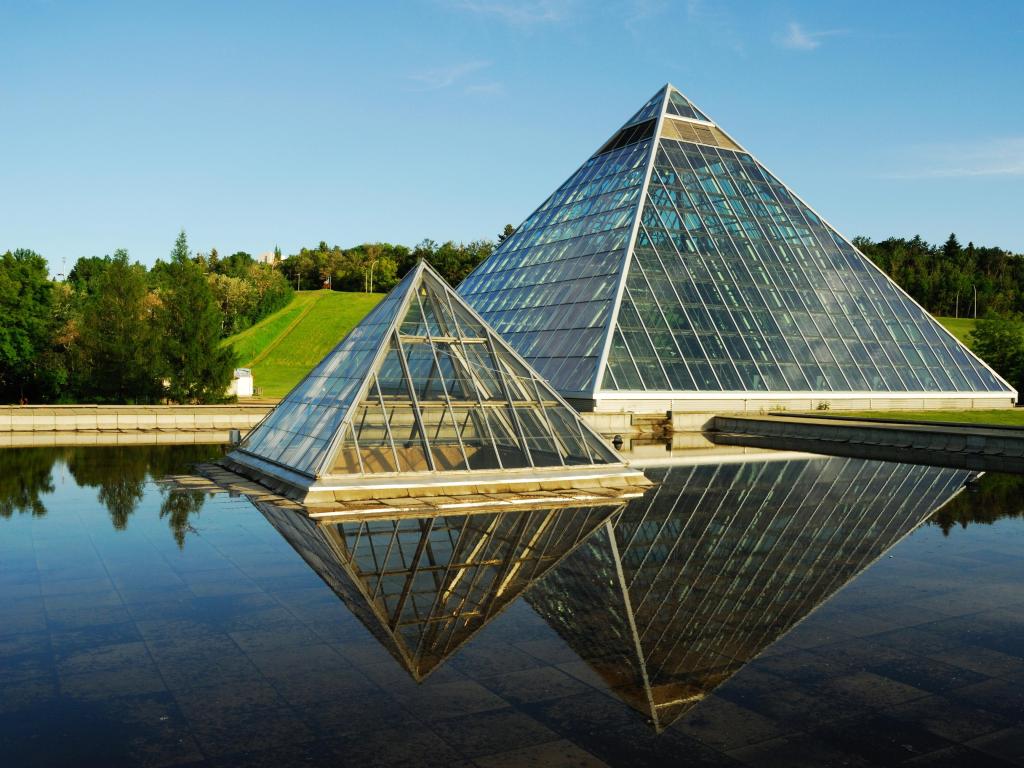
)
(627, 258)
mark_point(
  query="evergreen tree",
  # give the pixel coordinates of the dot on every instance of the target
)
(118, 338)
(198, 368)
(506, 233)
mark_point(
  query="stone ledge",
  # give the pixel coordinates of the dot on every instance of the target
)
(962, 446)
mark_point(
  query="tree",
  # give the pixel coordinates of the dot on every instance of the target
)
(119, 345)
(199, 369)
(26, 328)
(86, 271)
(235, 265)
(999, 341)
(237, 301)
(506, 233)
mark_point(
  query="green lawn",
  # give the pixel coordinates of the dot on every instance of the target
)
(284, 347)
(959, 327)
(252, 341)
(1008, 417)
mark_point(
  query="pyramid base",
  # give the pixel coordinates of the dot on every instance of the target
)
(763, 402)
(309, 491)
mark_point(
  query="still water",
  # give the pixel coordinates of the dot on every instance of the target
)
(772, 612)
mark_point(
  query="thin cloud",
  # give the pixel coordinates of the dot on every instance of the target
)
(988, 157)
(717, 22)
(445, 77)
(485, 88)
(528, 12)
(799, 39)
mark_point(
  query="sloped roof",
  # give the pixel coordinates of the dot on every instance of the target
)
(421, 385)
(672, 263)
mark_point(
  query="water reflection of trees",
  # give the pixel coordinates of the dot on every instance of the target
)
(990, 498)
(25, 475)
(119, 473)
(178, 507)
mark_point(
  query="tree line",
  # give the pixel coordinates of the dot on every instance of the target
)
(114, 331)
(952, 280)
(943, 278)
(378, 267)
(117, 332)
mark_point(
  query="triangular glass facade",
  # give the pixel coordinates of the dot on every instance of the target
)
(423, 385)
(682, 589)
(673, 262)
(424, 586)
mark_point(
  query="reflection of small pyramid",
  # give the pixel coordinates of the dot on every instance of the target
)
(425, 586)
(672, 270)
(422, 390)
(690, 583)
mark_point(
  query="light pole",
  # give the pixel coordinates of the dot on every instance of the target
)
(372, 265)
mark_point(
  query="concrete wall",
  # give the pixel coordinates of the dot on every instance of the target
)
(128, 418)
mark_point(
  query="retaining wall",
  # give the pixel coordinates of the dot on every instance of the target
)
(965, 446)
(129, 418)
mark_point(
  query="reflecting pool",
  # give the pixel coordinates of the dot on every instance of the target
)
(756, 611)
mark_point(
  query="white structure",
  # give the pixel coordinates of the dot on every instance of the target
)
(242, 383)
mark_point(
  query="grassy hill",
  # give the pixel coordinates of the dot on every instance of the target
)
(283, 347)
(958, 326)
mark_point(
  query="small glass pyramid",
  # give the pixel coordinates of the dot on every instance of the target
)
(421, 386)
(672, 268)
(424, 586)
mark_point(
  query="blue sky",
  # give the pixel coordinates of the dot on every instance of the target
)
(255, 123)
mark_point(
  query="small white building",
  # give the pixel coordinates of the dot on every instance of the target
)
(242, 383)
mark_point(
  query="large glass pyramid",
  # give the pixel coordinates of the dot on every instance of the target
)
(422, 385)
(672, 265)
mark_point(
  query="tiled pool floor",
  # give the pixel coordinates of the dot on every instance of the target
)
(120, 647)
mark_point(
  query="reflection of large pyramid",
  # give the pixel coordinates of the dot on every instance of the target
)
(421, 387)
(424, 586)
(672, 270)
(696, 579)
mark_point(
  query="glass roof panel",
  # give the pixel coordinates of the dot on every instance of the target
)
(724, 241)
(680, 105)
(651, 109)
(549, 288)
(299, 431)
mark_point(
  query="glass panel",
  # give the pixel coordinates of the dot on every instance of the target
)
(680, 105)
(299, 431)
(549, 288)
